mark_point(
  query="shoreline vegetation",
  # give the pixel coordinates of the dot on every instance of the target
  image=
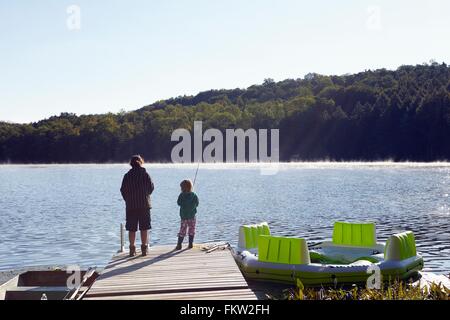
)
(232, 165)
(395, 290)
(427, 286)
(401, 114)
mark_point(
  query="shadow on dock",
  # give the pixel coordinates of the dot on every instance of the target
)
(165, 274)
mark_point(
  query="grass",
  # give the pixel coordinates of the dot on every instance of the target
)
(397, 290)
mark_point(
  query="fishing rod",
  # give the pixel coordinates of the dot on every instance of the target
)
(196, 172)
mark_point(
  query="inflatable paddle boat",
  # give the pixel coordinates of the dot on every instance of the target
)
(351, 256)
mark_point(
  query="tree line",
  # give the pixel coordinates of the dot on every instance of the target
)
(399, 115)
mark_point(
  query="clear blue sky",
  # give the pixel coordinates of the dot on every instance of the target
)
(128, 54)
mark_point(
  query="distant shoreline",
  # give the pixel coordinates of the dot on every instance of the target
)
(248, 164)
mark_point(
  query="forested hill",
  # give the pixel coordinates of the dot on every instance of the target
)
(373, 115)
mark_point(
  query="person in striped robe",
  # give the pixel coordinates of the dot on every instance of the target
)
(137, 186)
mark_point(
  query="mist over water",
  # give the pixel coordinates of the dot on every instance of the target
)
(70, 214)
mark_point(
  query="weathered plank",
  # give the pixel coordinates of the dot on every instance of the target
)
(239, 294)
(167, 274)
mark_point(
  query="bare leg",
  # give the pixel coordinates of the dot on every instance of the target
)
(132, 238)
(144, 237)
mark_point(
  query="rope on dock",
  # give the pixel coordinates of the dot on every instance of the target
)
(215, 246)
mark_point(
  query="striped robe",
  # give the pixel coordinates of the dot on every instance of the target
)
(137, 186)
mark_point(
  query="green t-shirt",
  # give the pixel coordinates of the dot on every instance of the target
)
(188, 202)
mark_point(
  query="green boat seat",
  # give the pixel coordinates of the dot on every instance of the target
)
(248, 234)
(283, 250)
(354, 234)
(400, 246)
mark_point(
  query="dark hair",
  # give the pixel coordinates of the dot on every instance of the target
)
(186, 185)
(136, 161)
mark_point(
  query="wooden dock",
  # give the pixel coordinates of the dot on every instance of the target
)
(165, 274)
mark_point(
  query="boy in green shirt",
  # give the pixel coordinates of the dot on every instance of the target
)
(188, 202)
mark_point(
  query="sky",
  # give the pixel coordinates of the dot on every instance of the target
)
(98, 56)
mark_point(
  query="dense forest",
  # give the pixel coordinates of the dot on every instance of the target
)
(373, 115)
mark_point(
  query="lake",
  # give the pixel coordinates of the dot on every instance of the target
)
(70, 214)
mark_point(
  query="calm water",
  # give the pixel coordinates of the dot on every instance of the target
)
(71, 214)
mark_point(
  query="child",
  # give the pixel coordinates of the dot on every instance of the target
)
(188, 202)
